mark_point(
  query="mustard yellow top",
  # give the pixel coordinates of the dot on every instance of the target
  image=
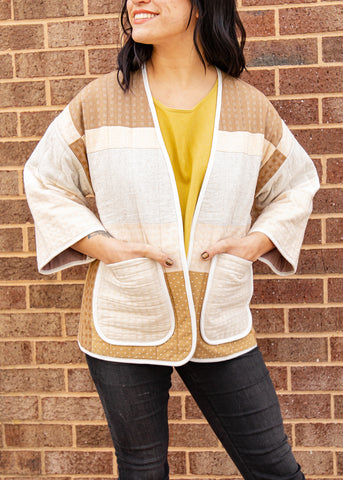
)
(188, 136)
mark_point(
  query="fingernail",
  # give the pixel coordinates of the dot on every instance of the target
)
(204, 255)
(169, 262)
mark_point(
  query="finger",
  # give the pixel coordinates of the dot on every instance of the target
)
(219, 247)
(158, 255)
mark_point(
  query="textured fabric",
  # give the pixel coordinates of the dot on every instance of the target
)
(188, 136)
(108, 143)
(236, 396)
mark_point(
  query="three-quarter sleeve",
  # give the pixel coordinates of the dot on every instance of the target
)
(57, 183)
(286, 185)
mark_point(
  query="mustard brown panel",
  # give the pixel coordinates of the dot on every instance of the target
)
(79, 150)
(203, 349)
(244, 108)
(85, 327)
(174, 350)
(269, 169)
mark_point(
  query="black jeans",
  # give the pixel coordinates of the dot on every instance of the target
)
(236, 396)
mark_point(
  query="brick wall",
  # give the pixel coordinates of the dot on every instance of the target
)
(52, 422)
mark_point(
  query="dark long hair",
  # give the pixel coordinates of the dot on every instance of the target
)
(218, 30)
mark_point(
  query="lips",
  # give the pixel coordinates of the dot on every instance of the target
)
(141, 16)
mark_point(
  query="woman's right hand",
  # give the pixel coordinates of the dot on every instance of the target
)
(104, 247)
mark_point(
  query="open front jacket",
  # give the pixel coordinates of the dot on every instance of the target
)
(108, 143)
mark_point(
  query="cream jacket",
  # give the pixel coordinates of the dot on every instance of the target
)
(108, 143)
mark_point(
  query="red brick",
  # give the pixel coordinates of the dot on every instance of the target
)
(58, 296)
(177, 383)
(334, 230)
(193, 412)
(294, 349)
(192, 435)
(12, 297)
(22, 94)
(77, 272)
(317, 378)
(332, 49)
(14, 211)
(336, 349)
(319, 167)
(72, 323)
(332, 110)
(102, 61)
(264, 80)
(18, 408)
(315, 463)
(334, 173)
(335, 289)
(73, 408)
(26, 9)
(328, 201)
(21, 462)
(313, 234)
(8, 123)
(9, 183)
(177, 463)
(321, 141)
(299, 111)
(268, 320)
(174, 408)
(311, 80)
(281, 52)
(76, 463)
(79, 380)
(97, 436)
(305, 406)
(15, 153)
(83, 33)
(339, 463)
(16, 268)
(319, 435)
(288, 291)
(258, 23)
(338, 399)
(36, 123)
(38, 435)
(32, 380)
(6, 68)
(15, 353)
(279, 377)
(104, 6)
(31, 239)
(46, 64)
(315, 319)
(5, 9)
(63, 91)
(58, 352)
(320, 261)
(20, 37)
(16, 325)
(211, 463)
(302, 20)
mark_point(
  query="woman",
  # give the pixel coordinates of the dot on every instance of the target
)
(178, 153)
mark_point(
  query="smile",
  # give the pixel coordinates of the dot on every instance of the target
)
(141, 16)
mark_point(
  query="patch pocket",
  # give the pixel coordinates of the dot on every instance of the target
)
(225, 314)
(131, 303)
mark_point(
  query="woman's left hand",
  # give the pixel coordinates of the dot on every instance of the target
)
(250, 247)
